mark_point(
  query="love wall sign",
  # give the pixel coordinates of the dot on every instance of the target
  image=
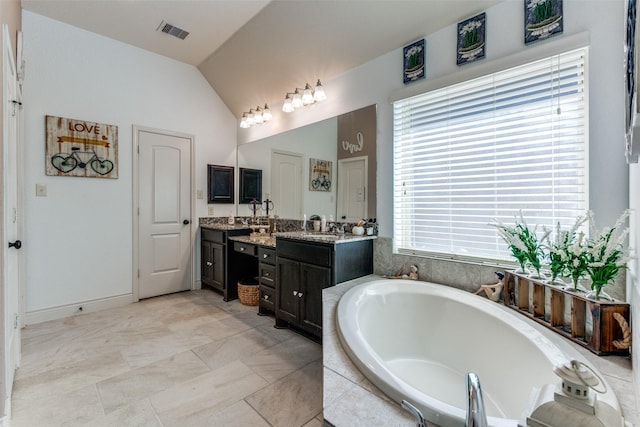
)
(81, 148)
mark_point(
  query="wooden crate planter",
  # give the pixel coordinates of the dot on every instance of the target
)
(528, 297)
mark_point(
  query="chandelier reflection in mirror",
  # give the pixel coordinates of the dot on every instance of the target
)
(303, 97)
(255, 117)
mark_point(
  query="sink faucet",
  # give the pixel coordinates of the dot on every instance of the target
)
(476, 415)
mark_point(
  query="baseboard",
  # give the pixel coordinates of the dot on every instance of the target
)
(44, 315)
(197, 285)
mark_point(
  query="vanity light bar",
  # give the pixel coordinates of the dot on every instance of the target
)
(257, 116)
(296, 99)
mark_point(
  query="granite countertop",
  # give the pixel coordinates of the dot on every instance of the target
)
(268, 241)
(322, 237)
(350, 399)
(220, 226)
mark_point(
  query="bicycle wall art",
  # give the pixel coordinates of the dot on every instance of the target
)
(81, 148)
(319, 175)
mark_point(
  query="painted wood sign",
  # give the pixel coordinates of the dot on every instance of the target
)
(320, 175)
(81, 148)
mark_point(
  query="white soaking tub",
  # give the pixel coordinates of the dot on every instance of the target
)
(417, 340)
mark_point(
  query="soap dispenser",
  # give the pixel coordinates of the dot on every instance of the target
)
(323, 224)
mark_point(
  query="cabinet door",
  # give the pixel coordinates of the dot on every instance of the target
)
(287, 301)
(313, 279)
(206, 263)
(217, 255)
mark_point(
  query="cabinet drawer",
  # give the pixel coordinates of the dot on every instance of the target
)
(245, 248)
(267, 274)
(216, 236)
(267, 298)
(313, 253)
(267, 255)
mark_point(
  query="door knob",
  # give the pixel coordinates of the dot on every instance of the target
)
(186, 222)
(17, 244)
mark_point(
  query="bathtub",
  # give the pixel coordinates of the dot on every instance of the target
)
(417, 340)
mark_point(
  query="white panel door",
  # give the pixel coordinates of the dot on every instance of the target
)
(352, 189)
(12, 255)
(286, 184)
(165, 213)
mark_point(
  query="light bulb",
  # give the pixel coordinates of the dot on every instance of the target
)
(287, 107)
(319, 94)
(297, 100)
(250, 118)
(257, 117)
(266, 113)
(243, 122)
(307, 98)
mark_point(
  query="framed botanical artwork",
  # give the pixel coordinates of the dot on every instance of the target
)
(320, 175)
(471, 39)
(413, 61)
(542, 19)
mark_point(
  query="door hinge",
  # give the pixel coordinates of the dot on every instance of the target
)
(138, 273)
(138, 148)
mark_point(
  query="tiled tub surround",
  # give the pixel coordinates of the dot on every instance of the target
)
(351, 400)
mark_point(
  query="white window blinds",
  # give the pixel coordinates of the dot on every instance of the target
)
(488, 148)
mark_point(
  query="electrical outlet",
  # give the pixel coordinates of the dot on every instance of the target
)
(41, 190)
(211, 212)
(199, 194)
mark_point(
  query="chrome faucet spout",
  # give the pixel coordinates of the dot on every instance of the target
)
(476, 414)
(416, 413)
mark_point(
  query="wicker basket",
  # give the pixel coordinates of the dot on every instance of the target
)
(248, 292)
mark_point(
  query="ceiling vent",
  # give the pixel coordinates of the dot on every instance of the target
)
(172, 30)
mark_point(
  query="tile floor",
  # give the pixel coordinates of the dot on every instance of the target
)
(186, 359)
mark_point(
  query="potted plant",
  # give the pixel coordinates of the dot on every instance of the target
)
(558, 252)
(524, 244)
(606, 255)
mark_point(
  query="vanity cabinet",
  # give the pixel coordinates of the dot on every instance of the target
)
(267, 280)
(214, 254)
(304, 269)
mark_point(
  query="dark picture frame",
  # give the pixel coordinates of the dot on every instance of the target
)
(472, 34)
(250, 185)
(413, 67)
(220, 186)
(630, 100)
(542, 19)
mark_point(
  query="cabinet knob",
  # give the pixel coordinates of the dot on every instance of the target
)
(267, 274)
(266, 297)
(295, 293)
(242, 249)
(300, 294)
(209, 263)
(265, 256)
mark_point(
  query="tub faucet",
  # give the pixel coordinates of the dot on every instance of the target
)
(416, 413)
(476, 415)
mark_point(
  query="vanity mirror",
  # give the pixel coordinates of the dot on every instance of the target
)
(286, 160)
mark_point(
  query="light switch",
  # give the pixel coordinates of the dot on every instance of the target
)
(41, 190)
(199, 194)
(211, 211)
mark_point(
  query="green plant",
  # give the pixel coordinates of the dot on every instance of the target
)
(523, 242)
(606, 254)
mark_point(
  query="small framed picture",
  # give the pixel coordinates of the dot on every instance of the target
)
(413, 61)
(471, 39)
(542, 19)
(320, 175)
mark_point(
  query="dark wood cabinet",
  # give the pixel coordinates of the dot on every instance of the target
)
(215, 259)
(213, 264)
(304, 269)
(267, 279)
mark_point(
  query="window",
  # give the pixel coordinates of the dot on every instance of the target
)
(486, 149)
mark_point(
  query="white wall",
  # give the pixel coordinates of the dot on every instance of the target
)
(378, 80)
(78, 239)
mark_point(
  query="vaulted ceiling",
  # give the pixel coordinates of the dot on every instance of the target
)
(254, 51)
